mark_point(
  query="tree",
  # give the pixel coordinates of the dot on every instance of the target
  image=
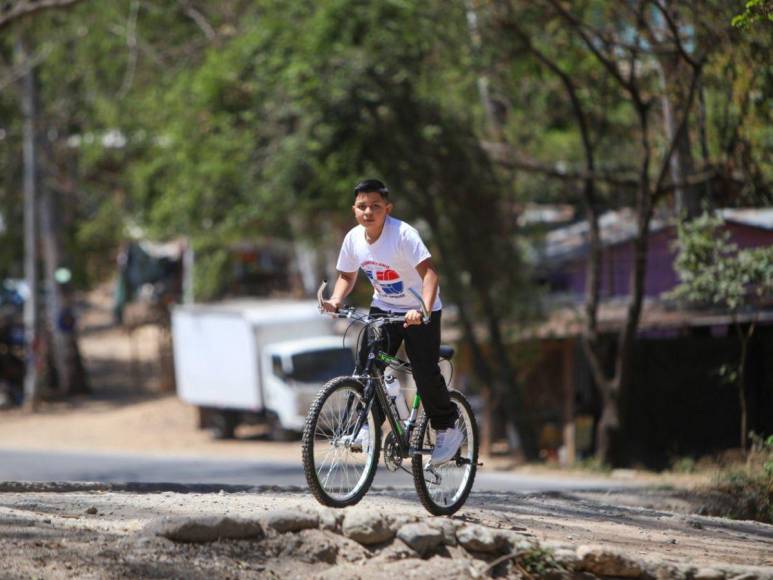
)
(714, 273)
(277, 123)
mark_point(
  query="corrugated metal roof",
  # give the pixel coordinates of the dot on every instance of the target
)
(620, 226)
(656, 315)
(759, 218)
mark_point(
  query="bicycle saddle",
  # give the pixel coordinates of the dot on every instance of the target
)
(446, 352)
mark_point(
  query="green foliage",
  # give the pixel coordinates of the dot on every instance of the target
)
(683, 465)
(212, 272)
(274, 109)
(593, 464)
(539, 561)
(754, 11)
(748, 490)
(714, 272)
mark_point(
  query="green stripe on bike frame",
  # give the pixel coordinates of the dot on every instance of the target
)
(416, 402)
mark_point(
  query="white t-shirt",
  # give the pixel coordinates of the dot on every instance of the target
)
(389, 263)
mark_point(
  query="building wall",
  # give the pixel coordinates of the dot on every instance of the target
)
(660, 277)
(678, 405)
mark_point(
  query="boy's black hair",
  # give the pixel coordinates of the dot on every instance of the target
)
(371, 185)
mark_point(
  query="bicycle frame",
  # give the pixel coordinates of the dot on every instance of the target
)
(374, 383)
(374, 390)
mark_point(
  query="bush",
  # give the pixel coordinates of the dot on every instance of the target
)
(746, 491)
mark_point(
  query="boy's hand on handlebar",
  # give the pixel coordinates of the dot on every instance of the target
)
(331, 305)
(412, 318)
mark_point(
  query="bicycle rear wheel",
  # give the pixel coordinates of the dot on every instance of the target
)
(443, 489)
(337, 472)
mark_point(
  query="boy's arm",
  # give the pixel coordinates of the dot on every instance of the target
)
(343, 287)
(429, 277)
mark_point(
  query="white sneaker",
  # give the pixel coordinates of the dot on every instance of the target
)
(362, 441)
(446, 445)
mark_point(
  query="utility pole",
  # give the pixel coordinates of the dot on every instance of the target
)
(29, 112)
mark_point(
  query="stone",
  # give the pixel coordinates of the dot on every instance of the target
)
(203, 529)
(665, 571)
(92, 511)
(395, 551)
(330, 520)
(421, 537)
(447, 528)
(284, 521)
(399, 520)
(604, 561)
(564, 554)
(317, 546)
(367, 528)
(509, 541)
(708, 574)
(477, 538)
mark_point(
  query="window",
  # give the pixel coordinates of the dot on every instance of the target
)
(321, 365)
(276, 366)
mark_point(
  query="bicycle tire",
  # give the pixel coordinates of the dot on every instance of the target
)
(319, 489)
(429, 496)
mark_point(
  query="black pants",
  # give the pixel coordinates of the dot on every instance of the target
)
(422, 343)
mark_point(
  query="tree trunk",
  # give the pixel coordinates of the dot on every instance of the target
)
(31, 179)
(682, 164)
(744, 337)
(608, 428)
(53, 299)
(495, 383)
(60, 310)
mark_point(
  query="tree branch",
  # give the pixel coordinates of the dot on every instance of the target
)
(510, 157)
(672, 26)
(606, 62)
(23, 68)
(680, 129)
(131, 43)
(191, 12)
(11, 11)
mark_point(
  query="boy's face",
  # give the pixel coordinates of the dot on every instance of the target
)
(371, 210)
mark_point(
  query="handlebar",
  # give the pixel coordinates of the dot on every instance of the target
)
(349, 311)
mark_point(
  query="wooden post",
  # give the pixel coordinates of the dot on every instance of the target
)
(568, 410)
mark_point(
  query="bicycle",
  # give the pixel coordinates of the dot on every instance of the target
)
(340, 470)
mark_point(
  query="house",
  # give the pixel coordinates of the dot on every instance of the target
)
(679, 404)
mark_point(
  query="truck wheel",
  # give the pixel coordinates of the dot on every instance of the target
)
(223, 424)
(279, 433)
(203, 415)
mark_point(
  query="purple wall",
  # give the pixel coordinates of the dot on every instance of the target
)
(660, 277)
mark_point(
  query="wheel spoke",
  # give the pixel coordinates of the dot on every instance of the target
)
(445, 487)
(339, 472)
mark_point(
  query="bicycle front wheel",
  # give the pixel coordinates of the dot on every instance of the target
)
(444, 488)
(339, 466)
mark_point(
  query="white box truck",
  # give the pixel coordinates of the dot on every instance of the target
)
(250, 361)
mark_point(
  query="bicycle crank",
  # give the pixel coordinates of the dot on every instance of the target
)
(392, 459)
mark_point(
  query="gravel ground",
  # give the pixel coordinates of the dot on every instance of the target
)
(95, 531)
(99, 534)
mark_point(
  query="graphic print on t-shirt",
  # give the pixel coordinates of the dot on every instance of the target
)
(385, 280)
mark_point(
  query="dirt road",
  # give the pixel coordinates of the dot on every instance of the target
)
(96, 531)
(99, 534)
(43, 533)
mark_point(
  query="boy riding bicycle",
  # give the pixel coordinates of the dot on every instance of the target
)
(394, 258)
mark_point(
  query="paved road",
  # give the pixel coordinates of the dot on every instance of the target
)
(110, 468)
